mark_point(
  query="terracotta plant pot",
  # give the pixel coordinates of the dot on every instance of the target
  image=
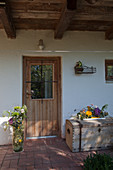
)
(78, 69)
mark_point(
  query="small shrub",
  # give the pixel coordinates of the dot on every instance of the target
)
(98, 162)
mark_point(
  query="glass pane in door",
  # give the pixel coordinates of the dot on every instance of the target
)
(41, 81)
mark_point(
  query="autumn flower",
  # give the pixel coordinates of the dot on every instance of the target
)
(97, 111)
(10, 121)
(92, 112)
(20, 140)
(17, 116)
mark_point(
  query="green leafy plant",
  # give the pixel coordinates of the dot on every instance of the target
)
(98, 162)
(79, 64)
(16, 120)
(16, 117)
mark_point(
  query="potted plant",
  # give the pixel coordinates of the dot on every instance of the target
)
(16, 120)
(98, 162)
(78, 67)
(92, 112)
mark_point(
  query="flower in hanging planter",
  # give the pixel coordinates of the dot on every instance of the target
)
(78, 67)
(78, 64)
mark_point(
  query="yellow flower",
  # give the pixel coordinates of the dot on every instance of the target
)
(94, 117)
(20, 140)
(89, 113)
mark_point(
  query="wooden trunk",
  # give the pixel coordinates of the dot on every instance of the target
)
(85, 135)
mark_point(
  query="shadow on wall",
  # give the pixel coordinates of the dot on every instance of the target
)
(5, 136)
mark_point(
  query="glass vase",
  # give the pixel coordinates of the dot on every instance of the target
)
(18, 139)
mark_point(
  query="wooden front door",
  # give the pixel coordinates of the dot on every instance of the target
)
(42, 95)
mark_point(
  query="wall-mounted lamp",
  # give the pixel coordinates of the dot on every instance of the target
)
(41, 44)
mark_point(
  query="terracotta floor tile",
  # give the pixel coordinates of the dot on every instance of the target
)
(11, 157)
(45, 160)
(38, 161)
(6, 164)
(9, 169)
(14, 163)
(38, 165)
(44, 154)
(60, 165)
(21, 168)
(1, 161)
(30, 168)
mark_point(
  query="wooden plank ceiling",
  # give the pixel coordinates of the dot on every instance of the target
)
(57, 15)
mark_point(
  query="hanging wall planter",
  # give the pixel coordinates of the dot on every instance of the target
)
(80, 69)
(77, 69)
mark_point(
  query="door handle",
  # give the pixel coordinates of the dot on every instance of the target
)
(27, 94)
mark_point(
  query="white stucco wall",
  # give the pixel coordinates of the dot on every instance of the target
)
(5, 135)
(77, 90)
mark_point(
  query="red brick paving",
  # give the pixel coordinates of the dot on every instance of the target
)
(43, 154)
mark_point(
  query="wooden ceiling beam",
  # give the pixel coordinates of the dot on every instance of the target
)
(71, 4)
(6, 19)
(87, 13)
(109, 34)
(65, 18)
(91, 1)
(38, 1)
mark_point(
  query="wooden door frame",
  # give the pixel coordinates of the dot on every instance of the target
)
(37, 58)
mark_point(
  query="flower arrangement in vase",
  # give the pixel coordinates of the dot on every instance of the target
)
(92, 112)
(16, 120)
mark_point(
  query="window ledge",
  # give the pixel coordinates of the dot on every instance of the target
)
(109, 81)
